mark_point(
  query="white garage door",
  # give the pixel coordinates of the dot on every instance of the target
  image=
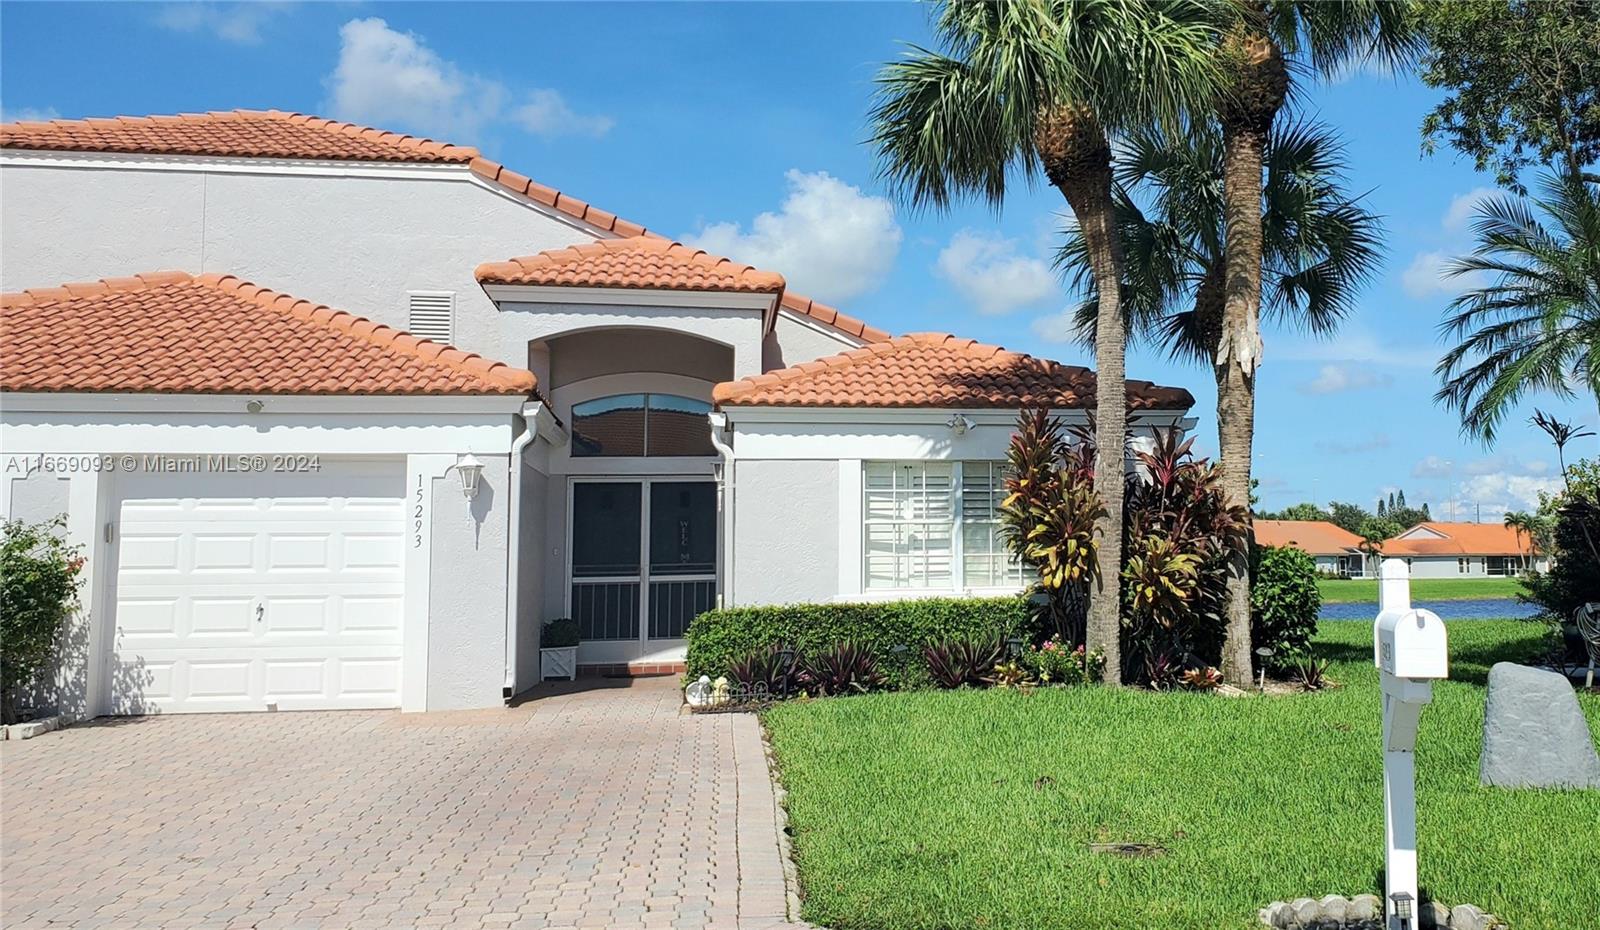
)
(244, 592)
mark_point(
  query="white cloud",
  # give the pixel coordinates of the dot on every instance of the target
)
(239, 23)
(1059, 327)
(392, 79)
(28, 115)
(1357, 343)
(828, 239)
(1459, 213)
(1425, 276)
(547, 114)
(1492, 490)
(1337, 379)
(986, 269)
(1433, 467)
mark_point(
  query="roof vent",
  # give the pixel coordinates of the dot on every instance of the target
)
(432, 315)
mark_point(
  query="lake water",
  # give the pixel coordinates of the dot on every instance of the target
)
(1477, 609)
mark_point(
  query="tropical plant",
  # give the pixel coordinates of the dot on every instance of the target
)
(847, 668)
(1319, 244)
(962, 660)
(1535, 324)
(1040, 87)
(1049, 514)
(766, 671)
(38, 592)
(1202, 679)
(1311, 672)
(1522, 523)
(1256, 51)
(1009, 674)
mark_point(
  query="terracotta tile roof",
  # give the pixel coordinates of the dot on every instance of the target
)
(1460, 539)
(1316, 537)
(235, 133)
(637, 262)
(281, 134)
(935, 370)
(172, 333)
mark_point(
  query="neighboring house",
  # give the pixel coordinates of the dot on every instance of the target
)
(1465, 550)
(1336, 550)
(289, 506)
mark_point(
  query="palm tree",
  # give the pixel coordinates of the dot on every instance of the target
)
(1256, 51)
(1536, 324)
(1040, 87)
(1520, 522)
(1319, 244)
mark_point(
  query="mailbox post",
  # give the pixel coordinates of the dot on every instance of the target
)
(1410, 650)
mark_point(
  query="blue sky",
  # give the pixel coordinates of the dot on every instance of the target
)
(740, 127)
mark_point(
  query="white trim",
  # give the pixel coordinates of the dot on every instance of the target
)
(982, 416)
(514, 568)
(628, 297)
(128, 402)
(337, 168)
(851, 528)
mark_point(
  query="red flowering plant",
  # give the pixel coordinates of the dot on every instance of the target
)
(1055, 662)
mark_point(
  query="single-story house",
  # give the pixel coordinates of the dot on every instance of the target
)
(367, 478)
(1336, 550)
(1465, 550)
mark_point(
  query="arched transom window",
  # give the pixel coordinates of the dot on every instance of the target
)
(641, 425)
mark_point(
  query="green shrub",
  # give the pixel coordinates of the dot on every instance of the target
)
(1055, 663)
(894, 632)
(559, 633)
(1284, 601)
(38, 590)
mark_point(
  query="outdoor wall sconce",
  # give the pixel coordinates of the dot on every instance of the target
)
(470, 470)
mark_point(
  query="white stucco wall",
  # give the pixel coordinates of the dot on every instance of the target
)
(467, 591)
(786, 523)
(355, 243)
(793, 341)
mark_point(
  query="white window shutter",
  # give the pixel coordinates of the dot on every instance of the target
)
(432, 315)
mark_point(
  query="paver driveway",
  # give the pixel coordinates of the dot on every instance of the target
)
(592, 808)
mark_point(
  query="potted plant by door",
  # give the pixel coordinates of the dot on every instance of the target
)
(558, 649)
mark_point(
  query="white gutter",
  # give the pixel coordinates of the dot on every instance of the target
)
(719, 430)
(530, 420)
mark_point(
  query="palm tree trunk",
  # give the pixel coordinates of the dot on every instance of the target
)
(1247, 117)
(1076, 156)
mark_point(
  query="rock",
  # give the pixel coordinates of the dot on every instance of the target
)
(1534, 734)
(1467, 917)
(1334, 908)
(1364, 907)
(1433, 916)
(1279, 916)
(1305, 910)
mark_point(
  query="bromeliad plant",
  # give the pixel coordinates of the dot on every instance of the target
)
(953, 663)
(847, 668)
(763, 672)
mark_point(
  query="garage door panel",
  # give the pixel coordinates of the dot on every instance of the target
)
(228, 601)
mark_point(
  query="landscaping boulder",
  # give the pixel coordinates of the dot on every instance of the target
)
(1534, 733)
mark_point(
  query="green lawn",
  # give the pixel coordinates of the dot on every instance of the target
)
(975, 809)
(1348, 590)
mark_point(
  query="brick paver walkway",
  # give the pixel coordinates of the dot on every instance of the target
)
(586, 808)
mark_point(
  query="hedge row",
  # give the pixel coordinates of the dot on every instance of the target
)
(894, 631)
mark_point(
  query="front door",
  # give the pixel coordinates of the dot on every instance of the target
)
(644, 563)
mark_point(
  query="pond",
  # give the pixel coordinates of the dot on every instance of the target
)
(1487, 608)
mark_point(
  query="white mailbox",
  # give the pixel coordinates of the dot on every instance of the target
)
(1410, 643)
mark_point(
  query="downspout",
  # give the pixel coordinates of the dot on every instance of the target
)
(530, 415)
(725, 487)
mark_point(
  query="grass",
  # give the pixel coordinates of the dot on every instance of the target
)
(975, 809)
(1365, 590)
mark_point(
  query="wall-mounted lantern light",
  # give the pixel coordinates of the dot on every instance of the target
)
(470, 470)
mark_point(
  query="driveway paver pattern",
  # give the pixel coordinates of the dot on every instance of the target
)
(598, 805)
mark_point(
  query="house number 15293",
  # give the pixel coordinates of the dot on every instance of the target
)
(416, 517)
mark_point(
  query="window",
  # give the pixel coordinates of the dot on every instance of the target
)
(934, 525)
(641, 425)
(432, 315)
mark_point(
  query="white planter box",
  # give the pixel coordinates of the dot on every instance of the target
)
(559, 662)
